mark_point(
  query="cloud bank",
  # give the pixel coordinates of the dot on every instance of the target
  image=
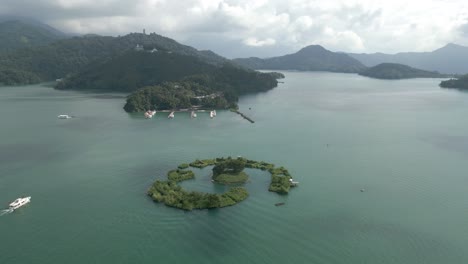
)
(236, 28)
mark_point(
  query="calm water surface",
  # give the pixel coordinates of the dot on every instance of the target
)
(404, 142)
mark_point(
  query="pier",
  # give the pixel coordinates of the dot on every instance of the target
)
(244, 116)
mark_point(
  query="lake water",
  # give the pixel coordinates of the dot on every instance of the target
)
(404, 142)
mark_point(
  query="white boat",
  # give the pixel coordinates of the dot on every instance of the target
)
(171, 115)
(19, 202)
(149, 114)
(212, 114)
(64, 116)
(293, 182)
(193, 114)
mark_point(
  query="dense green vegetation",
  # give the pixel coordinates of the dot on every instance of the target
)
(229, 166)
(114, 64)
(280, 180)
(183, 166)
(231, 178)
(457, 83)
(397, 71)
(17, 34)
(132, 70)
(180, 175)
(230, 171)
(69, 56)
(204, 163)
(169, 81)
(311, 58)
(16, 77)
(171, 194)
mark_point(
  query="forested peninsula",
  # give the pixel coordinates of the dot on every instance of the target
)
(456, 83)
(394, 71)
(160, 73)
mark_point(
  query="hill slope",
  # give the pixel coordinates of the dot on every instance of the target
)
(310, 58)
(450, 59)
(397, 71)
(68, 56)
(134, 69)
(17, 34)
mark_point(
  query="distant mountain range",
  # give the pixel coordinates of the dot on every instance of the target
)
(450, 59)
(17, 34)
(310, 58)
(398, 71)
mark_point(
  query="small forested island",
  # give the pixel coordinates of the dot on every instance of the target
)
(230, 171)
(457, 83)
(394, 71)
(225, 171)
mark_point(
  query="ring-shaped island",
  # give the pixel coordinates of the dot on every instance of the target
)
(225, 171)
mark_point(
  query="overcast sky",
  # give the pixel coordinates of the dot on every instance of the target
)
(242, 28)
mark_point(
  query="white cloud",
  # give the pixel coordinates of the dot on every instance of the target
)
(259, 43)
(339, 25)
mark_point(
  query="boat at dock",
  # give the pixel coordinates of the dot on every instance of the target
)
(171, 115)
(293, 183)
(149, 114)
(193, 114)
(212, 114)
(19, 202)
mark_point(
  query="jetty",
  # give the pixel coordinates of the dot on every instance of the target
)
(243, 115)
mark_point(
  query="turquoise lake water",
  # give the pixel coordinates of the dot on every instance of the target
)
(404, 142)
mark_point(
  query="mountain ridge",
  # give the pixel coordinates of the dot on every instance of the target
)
(17, 34)
(449, 59)
(309, 58)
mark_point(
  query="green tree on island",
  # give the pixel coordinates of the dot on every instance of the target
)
(230, 166)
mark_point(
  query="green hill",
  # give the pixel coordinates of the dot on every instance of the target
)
(18, 34)
(171, 80)
(456, 83)
(310, 58)
(397, 71)
(135, 69)
(69, 56)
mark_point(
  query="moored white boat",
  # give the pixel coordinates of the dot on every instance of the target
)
(19, 202)
(212, 114)
(171, 115)
(64, 116)
(149, 114)
(193, 114)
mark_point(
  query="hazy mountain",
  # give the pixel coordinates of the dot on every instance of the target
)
(310, 58)
(398, 71)
(450, 59)
(16, 34)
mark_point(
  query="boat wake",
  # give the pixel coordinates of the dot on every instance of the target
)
(6, 211)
